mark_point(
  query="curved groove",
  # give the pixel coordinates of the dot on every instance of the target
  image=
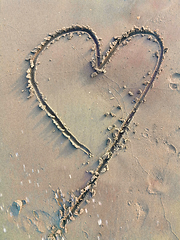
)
(33, 84)
(103, 161)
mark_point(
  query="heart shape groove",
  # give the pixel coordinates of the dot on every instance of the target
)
(98, 64)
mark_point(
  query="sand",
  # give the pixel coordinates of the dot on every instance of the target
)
(48, 160)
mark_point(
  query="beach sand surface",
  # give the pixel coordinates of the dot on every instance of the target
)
(139, 197)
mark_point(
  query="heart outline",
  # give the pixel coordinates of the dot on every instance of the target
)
(98, 65)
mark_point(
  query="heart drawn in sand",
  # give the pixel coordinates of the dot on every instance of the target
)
(98, 64)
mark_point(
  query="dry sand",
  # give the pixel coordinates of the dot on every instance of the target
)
(139, 197)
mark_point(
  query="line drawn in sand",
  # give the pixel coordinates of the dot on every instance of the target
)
(70, 209)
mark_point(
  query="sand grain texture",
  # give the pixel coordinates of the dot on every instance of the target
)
(138, 198)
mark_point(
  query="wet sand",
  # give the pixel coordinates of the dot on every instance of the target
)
(138, 198)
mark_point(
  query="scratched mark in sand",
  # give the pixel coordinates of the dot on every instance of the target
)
(71, 208)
